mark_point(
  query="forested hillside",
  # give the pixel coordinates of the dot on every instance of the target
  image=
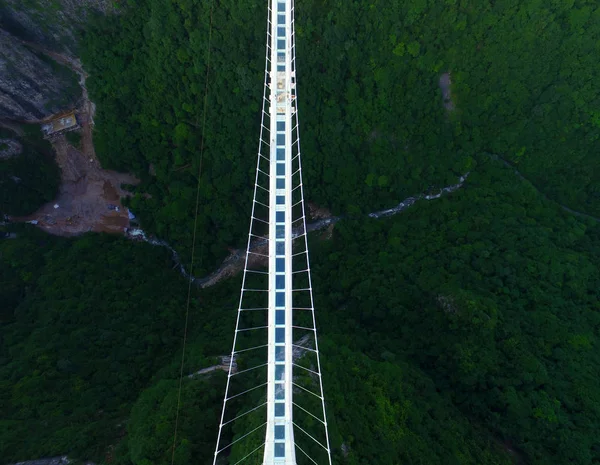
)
(376, 130)
(29, 178)
(461, 331)
(498, 304)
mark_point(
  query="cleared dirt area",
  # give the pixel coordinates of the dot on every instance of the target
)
(89, 196)
(317, 213)
(233, 264)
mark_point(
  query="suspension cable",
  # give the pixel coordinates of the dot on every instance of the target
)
(191, 274)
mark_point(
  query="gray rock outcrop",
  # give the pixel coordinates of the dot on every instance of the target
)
(52, 24)
(32, 85)
(9, 148)
(63, 460)
(49, 461)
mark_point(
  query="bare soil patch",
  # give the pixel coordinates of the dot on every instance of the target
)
(234, 264)
(317, 213)
(89, 196)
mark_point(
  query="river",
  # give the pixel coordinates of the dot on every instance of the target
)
(234, 263)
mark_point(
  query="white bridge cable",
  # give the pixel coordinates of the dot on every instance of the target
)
(240, 438)
(256, 253)
(246, 391)
(303, 409)
(250, 329)
(251, 348)
(309, 457)
(322, 397)
(257, 219)
(304, 328)
(310, 436)
(250, 229)
(248, 370)
(307, 369)
(307, 390)
(304, 348)
(244, 414)
(241, 460)
(258, 271)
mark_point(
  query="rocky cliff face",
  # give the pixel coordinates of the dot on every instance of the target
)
(33, 86)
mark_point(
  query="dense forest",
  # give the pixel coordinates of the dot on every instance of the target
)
(30, 179)
(522, 84)
(461, 331)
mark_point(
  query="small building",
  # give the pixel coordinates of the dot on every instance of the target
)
(66, 122)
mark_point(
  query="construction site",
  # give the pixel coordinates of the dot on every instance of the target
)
(89, 196)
